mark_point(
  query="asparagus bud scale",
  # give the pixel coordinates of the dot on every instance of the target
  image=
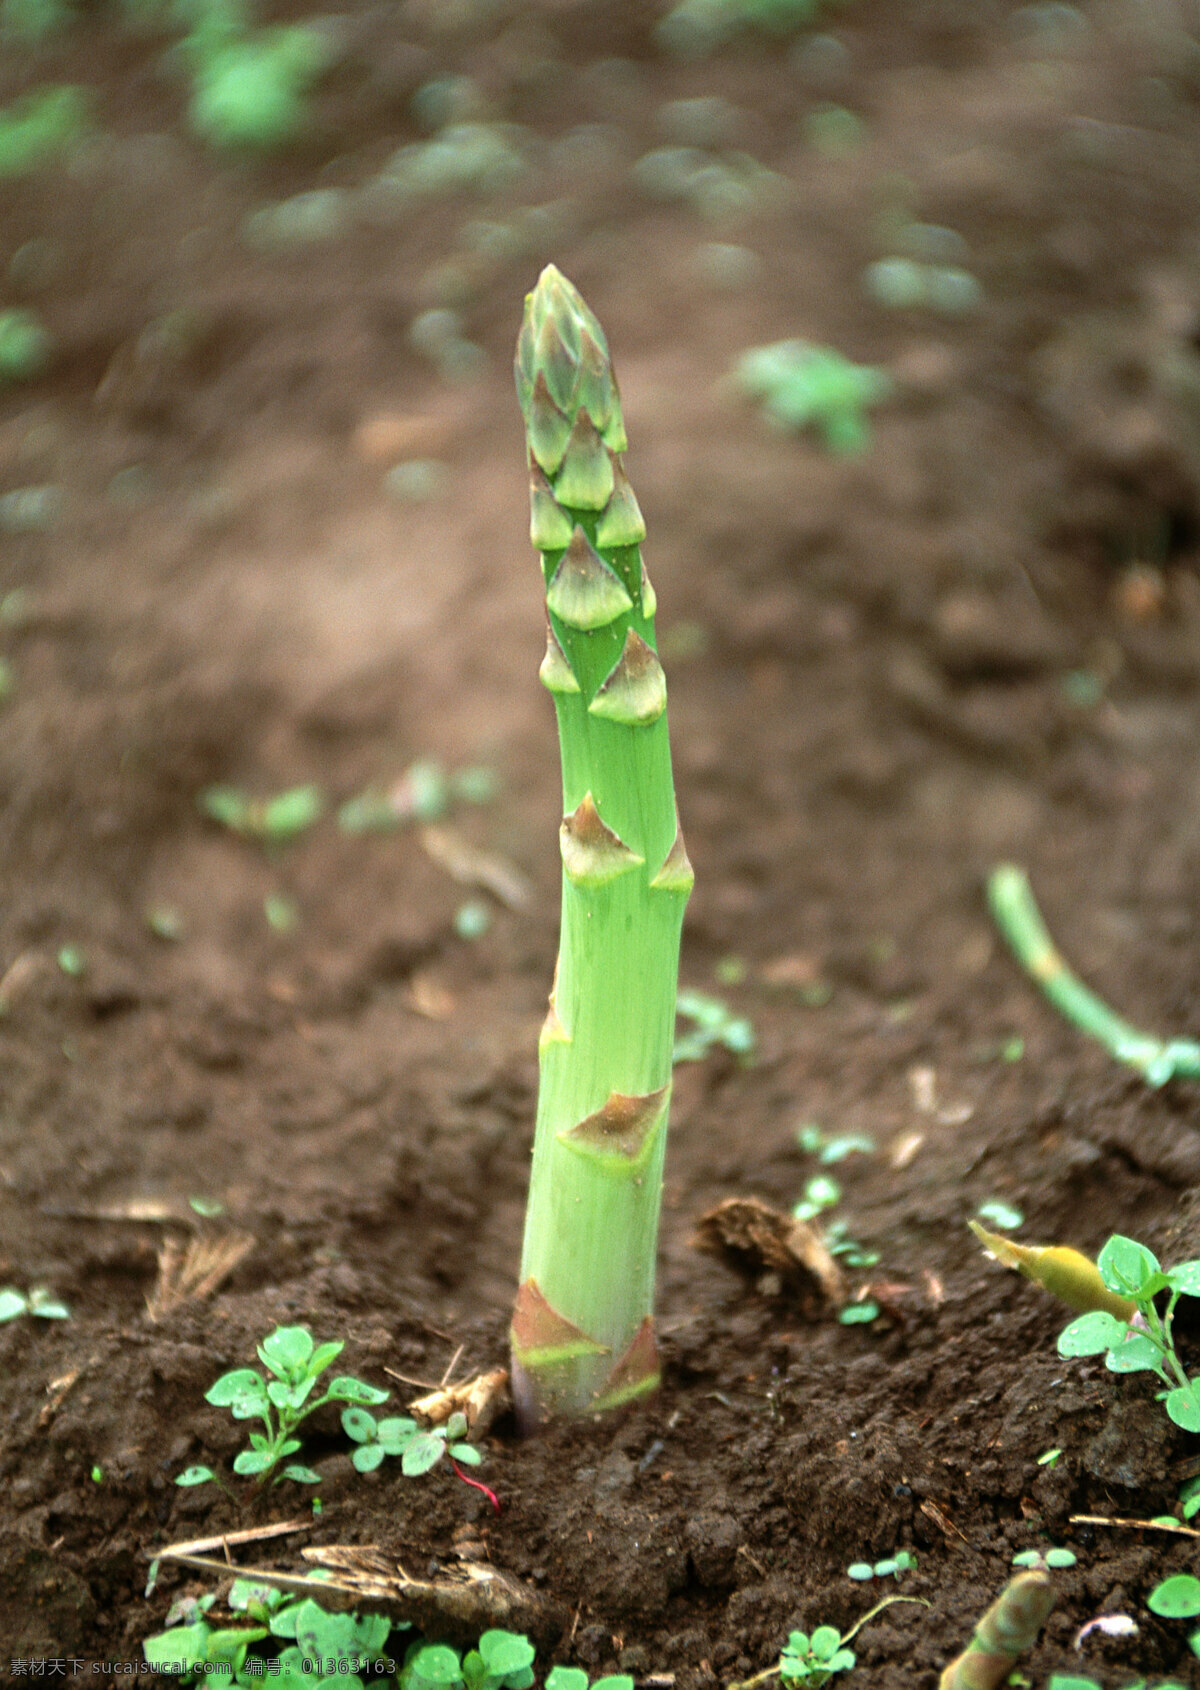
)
(582, 1328)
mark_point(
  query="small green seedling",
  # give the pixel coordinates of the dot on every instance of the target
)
(1072, 1681)
(694, 28)
(1178, 1598)
(1001, 1215)
(812, 1659)
(324, 1649)
(25, 346)
(820, 1193)
(275, 820)
(1049, 1458)
(1189, 1498)
(903, 1561)
(830, 1151)
(803, 386)
(249, 88)
(281, 1403)
(1042, 1560)
(41, 127)
(419, 1450)
(715, 1024)
(839, 1243)
(574, 1678)
(37, 1301)
(1144, 1343)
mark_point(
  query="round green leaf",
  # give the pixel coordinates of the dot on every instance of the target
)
(301, 1475)
(1061, 1557)
(249, 1461)
(346, 1389)
(1176, 1598)
(422, 1452)
(287, 1349)
(566, 1678)
(195, 1476)
(367, 1457)
(12, 1304)
(1183, 1406)
(825, 1642)
(467, 1453)
(359, 1425)
(504, 1652)
(239, 1386)
(395, 1431)
(1134, 1354)
(435, 1664)
(1185, 1278)
(181, 1649)
(860, 1571)
(1091, 1334)
(1125, 1265)
(614, 1681)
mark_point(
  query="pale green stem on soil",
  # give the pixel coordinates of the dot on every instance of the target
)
(1017, 916)
(582, 1331)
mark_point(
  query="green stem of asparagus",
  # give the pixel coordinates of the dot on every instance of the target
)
(582, 1331)
(1017, 916)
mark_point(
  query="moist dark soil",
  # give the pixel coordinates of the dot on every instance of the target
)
(978, 640)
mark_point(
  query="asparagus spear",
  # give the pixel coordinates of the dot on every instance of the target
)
(582, 1327)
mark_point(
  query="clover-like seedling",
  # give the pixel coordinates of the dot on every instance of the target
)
(274, 820)
(813, 1660)
(1178, 1598)
(1144, 1343)
(1043, 1560)
(418, 1449)
(903, 1561)
(328, 1648)
(574, 1678)
(281, 1403)
(38, 1301)
(803, 386)
(715, 1024)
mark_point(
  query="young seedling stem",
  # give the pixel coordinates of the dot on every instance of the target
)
(1017, 916)
(582, 1328)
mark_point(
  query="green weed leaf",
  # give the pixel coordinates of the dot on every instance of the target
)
(566, 1678)
(1185, 1278)
(395, 1432)
(367, 1457)
(286, 1350)
(1134, 1354)
(1126, 1266)
(1091, 1334)
(243, 1385)
(346, 1389)
(423, 1451)
(1176, 1598)
(195, 1476)
(249, 1461)
(358, 1424)
(1183, 1405)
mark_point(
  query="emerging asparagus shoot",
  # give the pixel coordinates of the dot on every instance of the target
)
(582, 1328)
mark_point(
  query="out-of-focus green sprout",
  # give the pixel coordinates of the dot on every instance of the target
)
(807, 386)
(40, 127)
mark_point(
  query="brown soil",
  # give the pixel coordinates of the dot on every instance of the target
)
(875, 687)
